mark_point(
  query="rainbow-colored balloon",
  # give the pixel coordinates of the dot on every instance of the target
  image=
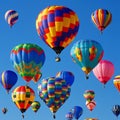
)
(27, 59)
(54, 92)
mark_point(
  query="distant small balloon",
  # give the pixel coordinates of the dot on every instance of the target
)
(11, 16)
(4, 110)
(90, 105)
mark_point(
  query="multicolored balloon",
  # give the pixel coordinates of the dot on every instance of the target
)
(57, 26)
(37, 77)
(104, 71)
(116, 110)
(23, 96)
(89, 95)
(27, 59)
(101, 18)
(35, 106)
(77, 112)
(69, 116)
(54, 92)
(11, 16)
(90, 104)
(87, 54)
(116, 82)
(67, 76)
(8, 79)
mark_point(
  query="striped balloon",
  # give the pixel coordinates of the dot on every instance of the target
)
(11, 16)
(23, 96)
(101, 18)
(57, 26)
(27, 59)
(54, 92)
(89, 95)
(116, 82)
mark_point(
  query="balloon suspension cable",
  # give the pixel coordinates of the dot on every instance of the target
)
(54, 115)
(57, 59)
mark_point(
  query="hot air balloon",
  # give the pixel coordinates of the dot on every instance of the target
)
(67, 76)
(101, 18)
(37, 77)
(54, 92)
(87, 54)
(11, 16)
(4, 110)
(8, 79)
(23, 96)
(116, 82)
(104, 71)
(91, 119)
(77, 112)
(35, 106)
(90, 104)
(89, 95)
(27, 59)
(116, 110)
(57, 26)
(69, 116)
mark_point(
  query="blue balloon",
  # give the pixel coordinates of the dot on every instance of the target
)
(67, 76)
(77, 112)
(8, 79)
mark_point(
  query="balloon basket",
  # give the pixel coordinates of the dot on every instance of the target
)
(57, 59)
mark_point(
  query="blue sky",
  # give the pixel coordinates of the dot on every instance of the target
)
(24, 31)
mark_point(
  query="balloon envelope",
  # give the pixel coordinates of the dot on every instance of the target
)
(35, 106)
(87, 54)
(101, 18)
(116, 82)
(37, 77)
(89, 95)
(4, 110)
(77, 112)
(57, 26)
(27, 59)
(116, 110)
(23, 96)
(8, 79)
(90, 105)
(69, 116)
(54, 92)
(104, 71)
(11, 16)
(67, 76)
